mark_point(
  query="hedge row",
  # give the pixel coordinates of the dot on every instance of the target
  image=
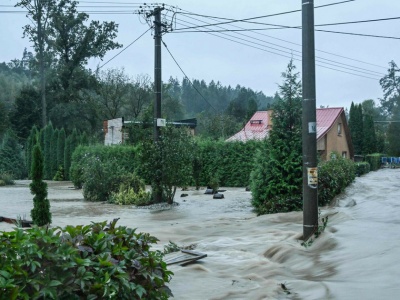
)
(374, 160)
(362, 168)
(333, 177)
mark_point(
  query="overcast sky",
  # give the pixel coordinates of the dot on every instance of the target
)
(208, 57)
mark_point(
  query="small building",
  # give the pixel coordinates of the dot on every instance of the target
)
(333, 133)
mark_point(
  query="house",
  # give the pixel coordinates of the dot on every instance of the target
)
(332, 131)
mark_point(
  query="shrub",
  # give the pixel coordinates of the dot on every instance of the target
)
(6, 178)
(101, 178)
(41, 206)
(333, 177)
(96, 261)
(132, 190)
(374, 160)
(125, 157)
(59, 176)
(362, 168)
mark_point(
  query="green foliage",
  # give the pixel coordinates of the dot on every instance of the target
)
(60, 148)
(169, 161)
(125, 157)
(53, 153)
(67, 157)
(356, 127)
(333, 177)
(390, 84)
(132, 190)
(59, 176)
(276, 180)
(101, 178)
(6, 179)
(41, 206)
(362, 168)
(96, 261)
(369, 135)
(374, 160)
(11, 156)
(47, 153)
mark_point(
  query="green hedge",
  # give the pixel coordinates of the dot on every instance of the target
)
(374, 160)
(123, 156)
(333, 177)
(230, 162)
(96, 261)
(362, 168)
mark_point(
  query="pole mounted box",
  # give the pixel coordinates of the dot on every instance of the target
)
(161, 122)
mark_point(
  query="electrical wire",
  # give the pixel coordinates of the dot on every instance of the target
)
(124, 48)
(319, 59)
(188, 77)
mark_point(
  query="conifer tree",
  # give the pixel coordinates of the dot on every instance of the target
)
(11, 156)
(67, 156)
(30, 143)
(41, 206)
(369, 135)
(60, 148)
(47, 136)
(276, 180)
(53, 154)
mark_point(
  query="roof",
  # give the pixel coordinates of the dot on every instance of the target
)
(258, 126)
(326, 118)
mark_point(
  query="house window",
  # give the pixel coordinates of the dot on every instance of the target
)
(339, 128)
(344, 154)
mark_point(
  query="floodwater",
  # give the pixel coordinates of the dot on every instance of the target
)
(250, 257)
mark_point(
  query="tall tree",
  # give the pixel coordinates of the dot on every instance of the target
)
(38, 33)
(11, 156)
(369, 135)
(139, 95)
(356, 127)
(390, 84)
(276, 180)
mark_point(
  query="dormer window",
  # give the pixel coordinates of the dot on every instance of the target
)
(255, 121)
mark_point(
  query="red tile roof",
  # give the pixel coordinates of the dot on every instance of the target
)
(259, 125)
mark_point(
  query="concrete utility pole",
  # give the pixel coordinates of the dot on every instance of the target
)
(309, 129)
(158, 93)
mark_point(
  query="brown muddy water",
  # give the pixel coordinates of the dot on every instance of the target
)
(250, 257)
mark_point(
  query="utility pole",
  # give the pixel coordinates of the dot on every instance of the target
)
(157, 192)
(309, 127)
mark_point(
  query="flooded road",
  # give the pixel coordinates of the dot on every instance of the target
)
(249, 257)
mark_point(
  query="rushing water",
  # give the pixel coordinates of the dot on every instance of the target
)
(253, 257)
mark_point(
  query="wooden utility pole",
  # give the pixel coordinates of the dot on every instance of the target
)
(309, 129)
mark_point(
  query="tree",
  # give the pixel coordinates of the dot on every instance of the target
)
(60, 148)
(169, 160)
(11, 156)
(30, 143)
(3, 119)
(38, 33)
(393, 134)
(41, 206)
(47, 142)
(26, 111)
(54, 151)
(112, 91)
(139, 95)
(369, 135)
(276, 180)
(356, 127)
(390, 84)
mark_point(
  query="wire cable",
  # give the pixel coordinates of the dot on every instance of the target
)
(124, 48)
(188, 78)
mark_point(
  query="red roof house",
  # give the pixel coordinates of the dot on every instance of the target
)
(332, 131)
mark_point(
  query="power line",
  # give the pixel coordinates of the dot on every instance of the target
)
(259, 17)
(357, 22)
(333, 63)
(124, 48)
(188, 77)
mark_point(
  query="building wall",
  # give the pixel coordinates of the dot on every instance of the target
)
(336, 141)
(113, 132)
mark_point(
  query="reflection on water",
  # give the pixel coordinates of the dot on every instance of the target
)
(253, 257)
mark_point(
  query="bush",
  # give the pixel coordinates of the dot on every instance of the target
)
(132, 190)
(125, 157)
(96, 261)
(362, 168)
(101, 178)
(6, 178)
(374, 160)
(333, 177)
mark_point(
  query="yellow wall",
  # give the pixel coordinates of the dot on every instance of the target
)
(337, 142)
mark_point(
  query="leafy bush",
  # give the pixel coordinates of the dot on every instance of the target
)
(101, 178)
(333, 177)
(125, 157)
(59, 176)
(362, 168)
(6, 178)
(374, 160)
(132, 190)
(96, 261)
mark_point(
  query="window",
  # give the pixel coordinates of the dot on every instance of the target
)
(339, 128)
(344, 154)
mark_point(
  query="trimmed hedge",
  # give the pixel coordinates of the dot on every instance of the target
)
(362, 168)
(229, 162)
(333, 177)
(96, 261)
(123, 156)
(374, 160)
